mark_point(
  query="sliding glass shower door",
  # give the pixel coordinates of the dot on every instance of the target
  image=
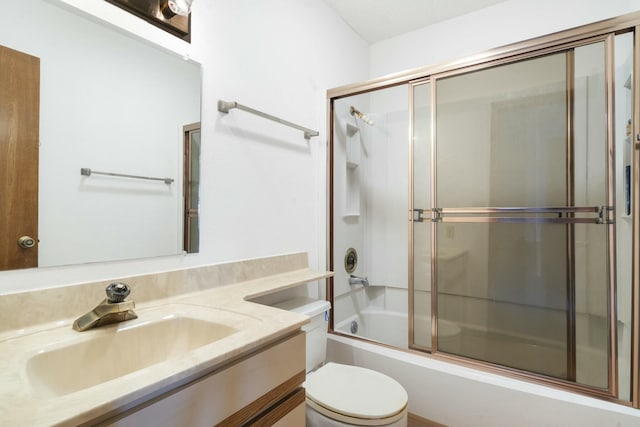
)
(511, 215)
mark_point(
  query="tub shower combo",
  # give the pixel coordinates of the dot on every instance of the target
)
(482, 212)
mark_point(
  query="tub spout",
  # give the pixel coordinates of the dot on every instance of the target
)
(355, 280)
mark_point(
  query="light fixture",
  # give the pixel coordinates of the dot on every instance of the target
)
(172, 16)
(171, 8)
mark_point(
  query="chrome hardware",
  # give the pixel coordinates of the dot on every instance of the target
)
(89, 172)
(26, 242)
(356, 280)
(117, 292)
(225, 106)
(422, 215)
(353, 327)
(418, 215)
(436, 215)
(350, 260)
(606, 215)
(112, 309)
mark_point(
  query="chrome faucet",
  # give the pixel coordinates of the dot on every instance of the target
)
(355, 280)
(112, 309)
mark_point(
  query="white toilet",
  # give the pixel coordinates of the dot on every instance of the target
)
(344, 395)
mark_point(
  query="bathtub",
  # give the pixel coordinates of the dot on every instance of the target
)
(389, 327)
(455, 395)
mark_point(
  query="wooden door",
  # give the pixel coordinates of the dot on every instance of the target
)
(19, 143)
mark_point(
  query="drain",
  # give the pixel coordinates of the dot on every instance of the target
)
(354, 327)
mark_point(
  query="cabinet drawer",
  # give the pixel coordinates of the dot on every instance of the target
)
(230, 396)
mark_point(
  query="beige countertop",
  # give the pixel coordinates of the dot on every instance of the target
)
(24, 403)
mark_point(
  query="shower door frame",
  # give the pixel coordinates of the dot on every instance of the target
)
(569, 211)
(535, 47)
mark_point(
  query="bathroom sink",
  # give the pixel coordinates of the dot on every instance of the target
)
(106, 353)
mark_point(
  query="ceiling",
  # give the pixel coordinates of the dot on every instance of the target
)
(376, 20)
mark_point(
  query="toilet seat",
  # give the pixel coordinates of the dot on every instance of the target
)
(355, 395)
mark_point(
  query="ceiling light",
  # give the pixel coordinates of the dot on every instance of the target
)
(171, 8)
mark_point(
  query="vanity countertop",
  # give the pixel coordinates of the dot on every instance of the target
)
(21, 403)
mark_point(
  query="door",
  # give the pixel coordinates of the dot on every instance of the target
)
(521, 215)
(19, 140)
(192, 188)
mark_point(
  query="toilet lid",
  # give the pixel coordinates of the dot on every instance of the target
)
(355, 392)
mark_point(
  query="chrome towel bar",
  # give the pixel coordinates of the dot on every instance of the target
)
(224, 107)
(89, 172)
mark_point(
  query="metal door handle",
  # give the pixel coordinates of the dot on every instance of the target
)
(26, 242)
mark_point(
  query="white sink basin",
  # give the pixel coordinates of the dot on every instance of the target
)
(99, 355)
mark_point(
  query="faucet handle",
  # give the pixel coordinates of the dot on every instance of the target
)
(117, 292)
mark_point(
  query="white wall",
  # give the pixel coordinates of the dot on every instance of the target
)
(504, 23)
(263, 184)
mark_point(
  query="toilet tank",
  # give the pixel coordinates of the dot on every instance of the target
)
(318, 311)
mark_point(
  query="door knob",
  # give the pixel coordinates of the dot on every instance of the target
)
(26, 242)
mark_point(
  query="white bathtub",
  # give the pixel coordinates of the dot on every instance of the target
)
(389, 327)
(457, 396)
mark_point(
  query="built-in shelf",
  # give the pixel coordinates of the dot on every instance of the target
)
(353, 146)
(352, 190)
(352, 193)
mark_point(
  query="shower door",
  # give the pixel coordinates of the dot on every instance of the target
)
(514, 214)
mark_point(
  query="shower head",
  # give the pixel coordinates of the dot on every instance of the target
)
(355, 112)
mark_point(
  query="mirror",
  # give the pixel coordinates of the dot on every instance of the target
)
(110, 103)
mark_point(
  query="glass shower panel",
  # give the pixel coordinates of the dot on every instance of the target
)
(421, 226)
(511, 308)
(501, 135)
(502, 143)
(623, 191)
(589, 241)
(370, 168)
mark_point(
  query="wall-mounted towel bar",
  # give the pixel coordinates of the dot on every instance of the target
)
(224, 107)
(89, 172)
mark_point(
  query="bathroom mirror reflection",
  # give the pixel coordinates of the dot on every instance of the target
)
(112, 103)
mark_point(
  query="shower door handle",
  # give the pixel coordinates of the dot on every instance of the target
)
(559, 215)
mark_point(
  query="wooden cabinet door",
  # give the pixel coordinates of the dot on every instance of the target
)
(19, 143)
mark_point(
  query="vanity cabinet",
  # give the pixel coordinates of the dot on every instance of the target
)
(263, 388)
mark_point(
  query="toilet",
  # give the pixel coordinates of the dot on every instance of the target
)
(343, 395)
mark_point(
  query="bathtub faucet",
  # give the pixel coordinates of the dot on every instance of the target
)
(355, 280)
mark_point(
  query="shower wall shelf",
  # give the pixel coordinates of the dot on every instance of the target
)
(352, 193)
(89, 172)
(353, 146)
(225, 106)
